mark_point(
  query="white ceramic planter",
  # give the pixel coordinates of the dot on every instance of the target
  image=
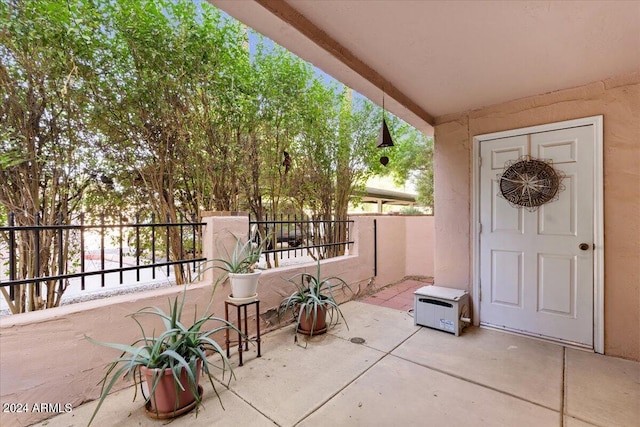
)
(244, 285)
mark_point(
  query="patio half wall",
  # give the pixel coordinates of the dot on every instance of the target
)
(44, 356)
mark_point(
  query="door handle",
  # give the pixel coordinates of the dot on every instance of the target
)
(583, 246)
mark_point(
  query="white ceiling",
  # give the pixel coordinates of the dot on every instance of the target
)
(440, 57)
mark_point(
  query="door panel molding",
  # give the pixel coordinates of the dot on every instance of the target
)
(514, 269)
(560, 302)
(598, 210)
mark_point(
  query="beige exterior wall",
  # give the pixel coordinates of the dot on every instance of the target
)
(618, 100)
(392, 248)
(419, 246)
(405, 246)
(45, 357)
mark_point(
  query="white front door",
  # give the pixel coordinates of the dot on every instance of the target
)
(536, 268)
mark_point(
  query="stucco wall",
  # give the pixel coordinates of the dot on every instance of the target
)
(419, 245)
(45, 358)
(405, 246)
(618, 100)
(391, 248)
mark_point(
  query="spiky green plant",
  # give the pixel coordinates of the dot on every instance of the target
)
(243, 259)
(178, 347)
(312, 292)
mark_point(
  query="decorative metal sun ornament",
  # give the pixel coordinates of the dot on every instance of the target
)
(530, 183)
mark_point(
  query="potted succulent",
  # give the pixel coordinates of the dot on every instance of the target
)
(171, 362)
(313, 304)
(241, 266)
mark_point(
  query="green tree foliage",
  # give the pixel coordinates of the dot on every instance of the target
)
(168, 105)
(412, 160)
(46, 55)
(282, 81)
(162, 107)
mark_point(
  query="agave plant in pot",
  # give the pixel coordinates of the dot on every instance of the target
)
(170, 362)
(241, 266)
(313, 302)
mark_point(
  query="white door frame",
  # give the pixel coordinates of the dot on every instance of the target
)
(598, 209)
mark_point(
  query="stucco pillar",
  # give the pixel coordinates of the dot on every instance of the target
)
(452, 194)
(219, 238)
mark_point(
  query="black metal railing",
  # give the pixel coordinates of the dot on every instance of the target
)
(290, 236)
(152, 243)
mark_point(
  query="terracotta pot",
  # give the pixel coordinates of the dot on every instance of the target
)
(163, 400)
(244, 285)
(306, 326)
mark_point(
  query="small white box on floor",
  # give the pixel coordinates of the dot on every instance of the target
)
(441, 308)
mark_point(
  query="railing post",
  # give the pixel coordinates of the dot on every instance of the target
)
(82, 254)
(168, 245)
(102, 283)
(37, 285)
(138, 246)
(120, 247)
(60, 255)
(181, 220)
(153, 244)
(288, 233)
(193, 230)
(12, 255)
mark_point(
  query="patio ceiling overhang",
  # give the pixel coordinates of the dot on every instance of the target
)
(434, 58)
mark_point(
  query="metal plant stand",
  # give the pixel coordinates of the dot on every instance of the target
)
(242, 324)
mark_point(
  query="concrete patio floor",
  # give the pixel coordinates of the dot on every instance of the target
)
(403, 375)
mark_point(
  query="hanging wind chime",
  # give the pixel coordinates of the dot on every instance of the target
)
(384, 138)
